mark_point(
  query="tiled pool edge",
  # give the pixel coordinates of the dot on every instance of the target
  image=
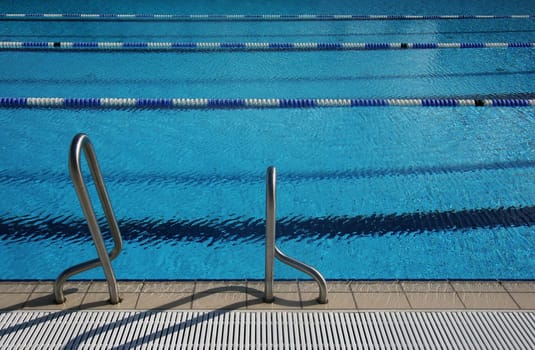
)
(289, 295)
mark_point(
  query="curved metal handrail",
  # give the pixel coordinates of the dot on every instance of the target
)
(81, 142)
(272, 251)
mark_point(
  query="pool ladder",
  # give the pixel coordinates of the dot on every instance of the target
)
(272, 251)
(81, 142)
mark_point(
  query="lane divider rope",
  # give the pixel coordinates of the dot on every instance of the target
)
(251, 103)
(245, 17)
(245, 46)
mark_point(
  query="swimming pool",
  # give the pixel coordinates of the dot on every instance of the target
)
(364, 193)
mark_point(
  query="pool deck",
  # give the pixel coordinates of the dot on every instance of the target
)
(232, 314)
(289, 295)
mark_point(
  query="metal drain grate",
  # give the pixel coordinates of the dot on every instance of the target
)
(267, 330)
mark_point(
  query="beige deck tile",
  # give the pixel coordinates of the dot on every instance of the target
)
(487, 301)
(332, 287)
(220, 286)
(168, 287)
(100, 301)
(336, 301)
(124, 287)
(164, 301)
(17, 287)
(278, 286)
(380, 287)
(519, 286)
(434, 300)
(390, 301)
(242, 294)
(219, 301)
(476, 286)
(283, 301)
(427, 286)
(68, 287)
(46, 301)
(13, 301)
(255, 287)
(526, 301)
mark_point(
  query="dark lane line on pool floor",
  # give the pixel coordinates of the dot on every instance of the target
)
(130, 178)
(150, 232)
(122, 36)
(234, 80)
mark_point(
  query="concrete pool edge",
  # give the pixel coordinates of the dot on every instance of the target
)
(289, 295)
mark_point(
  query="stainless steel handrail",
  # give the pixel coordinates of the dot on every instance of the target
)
(273, 252)
(81, 142)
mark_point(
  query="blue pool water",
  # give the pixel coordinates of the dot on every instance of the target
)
(364, 193)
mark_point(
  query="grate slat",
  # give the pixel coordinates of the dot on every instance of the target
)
(363, 330)
(12, 327)
(467, 342)
(443, 330)
(40, 332)
(142, 325)
(159, 330)
(188, 330)
(62, 332)
(77, 327)
(98, 332)
(355, 320)
(106, 329)
(411, 338)
(233, 327)
(425, 329)
(390, 339)
(252, 331)
(117, 331)
(376, 331)
(302, 340)
(333, 329)
(457, 337)
(499, 330)
(494, 332)
(529, 326)
(197, 329)
(518, 336)
(481, 328)
(178, 319)
(168, 330)
(347, 343)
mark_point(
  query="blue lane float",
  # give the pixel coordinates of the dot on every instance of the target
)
(246, 46)
(244, 17)
(251, 103)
